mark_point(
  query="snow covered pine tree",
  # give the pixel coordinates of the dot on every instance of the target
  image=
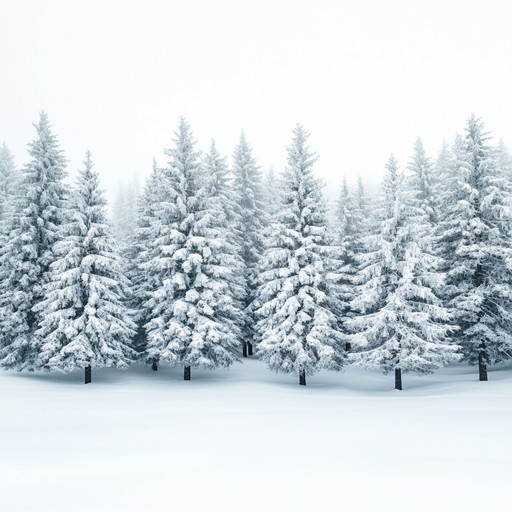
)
(143, 279)
(249, 226)
(28, 253)
(402, 325)
(84, 321)
(296, 321)
(475, 239)
(193, 314)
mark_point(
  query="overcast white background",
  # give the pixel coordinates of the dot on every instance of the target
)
(365, 77)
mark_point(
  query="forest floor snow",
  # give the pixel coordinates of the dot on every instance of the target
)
(246, 439)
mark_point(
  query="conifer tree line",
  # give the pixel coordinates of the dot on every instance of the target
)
(215, 260)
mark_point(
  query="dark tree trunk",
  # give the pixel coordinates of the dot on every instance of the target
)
(186, 373)
(88, 374)
(302, 377)
(249, 348)
(398, 379)
(244, 349)
(348, 346)
(482, 364)
(154, 367)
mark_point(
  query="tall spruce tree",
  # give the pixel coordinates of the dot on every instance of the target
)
(28, 253)
(251, 221)
(143, 279)
(475, 239)
(193, 314)
(219, 203)
(401, 324)
(348, 244)
(297, 324)
(84, 320)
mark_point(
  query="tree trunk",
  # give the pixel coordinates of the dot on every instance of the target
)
(249, 348)
(88, 374)
(398, 379)
(186, 373)
(482, 364)
(154, 367)
(348, 346)
(244, 349)
(302, 377)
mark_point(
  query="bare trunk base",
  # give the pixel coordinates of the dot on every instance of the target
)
(249, 348)
(154, 367)
(88, 374)
(302, 377)
(244, 349)
(482, 366)
(398, 379)
(186, 373)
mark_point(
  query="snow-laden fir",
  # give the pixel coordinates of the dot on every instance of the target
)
(297, 324)
(194, 318)
(25, 259)
(84, 319)
(249, 225)
(475, 240)
(401, 324)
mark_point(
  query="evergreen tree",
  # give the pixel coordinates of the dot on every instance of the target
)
(346, 222)
(475, 232)
(270, 193)
(296, 320)
(8, 180)
(361, 218)
(28, 253)
(347, 244)
(445, 163)
(84, 321)
(504, 160)
(402, 325)
(125, 215)
(422, 182)
(144, 280)
(251, 215)
(215, 167)
(193, 314)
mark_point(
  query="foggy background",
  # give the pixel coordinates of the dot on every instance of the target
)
(366, 78)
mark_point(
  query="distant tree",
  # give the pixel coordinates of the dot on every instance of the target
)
(270, 193)
(26, 257)
(345, 219)
(9, 180)
(423, 182)
(194, 320)
(84, 320)
(297, 324)
(475, 234)
(251, 222)
(504, 160)
(401, 324)
(125, 215)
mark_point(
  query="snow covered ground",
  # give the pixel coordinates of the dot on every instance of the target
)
(249, 440)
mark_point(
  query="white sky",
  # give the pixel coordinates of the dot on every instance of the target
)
(365, 77)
